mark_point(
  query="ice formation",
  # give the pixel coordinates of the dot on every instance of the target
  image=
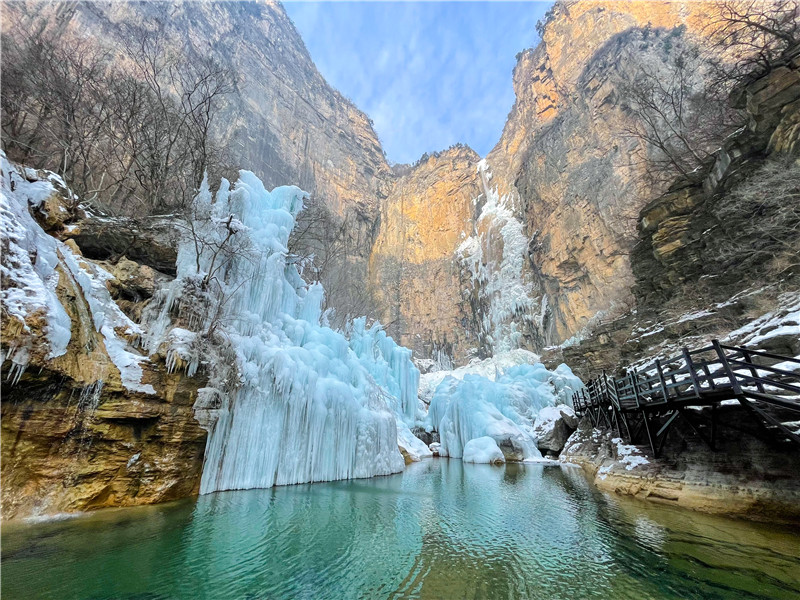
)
(33, 263)
(503, 406)
(483, 450)
(489, 367)
(502, 283)
(308, 404)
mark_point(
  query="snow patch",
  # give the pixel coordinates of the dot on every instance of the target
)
(483, 450)
(31, 266)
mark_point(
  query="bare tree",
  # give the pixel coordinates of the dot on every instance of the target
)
(751, 35)
(131, 133)
(677, 116)
(323, 248)
(761, 220)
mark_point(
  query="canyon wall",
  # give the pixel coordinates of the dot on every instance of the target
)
(413, 275)
(283, 121)
(436, 251)
(87, 419)
(554, 218)
(527, 253)
(565, 154)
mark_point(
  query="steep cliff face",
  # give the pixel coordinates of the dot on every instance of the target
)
(283, 122)
(87, 420)
(548, 244)
(548, 225)
(717, 252)
(564, 155)
(413, 275)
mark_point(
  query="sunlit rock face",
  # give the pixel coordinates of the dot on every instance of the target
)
(413, 275)
(563, 158)
(551, 217)
(434, 251)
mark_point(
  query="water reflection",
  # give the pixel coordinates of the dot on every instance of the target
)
(442, 529)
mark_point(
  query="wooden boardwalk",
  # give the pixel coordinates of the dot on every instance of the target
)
(643, 405)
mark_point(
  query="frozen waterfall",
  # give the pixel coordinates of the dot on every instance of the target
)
(309, 404)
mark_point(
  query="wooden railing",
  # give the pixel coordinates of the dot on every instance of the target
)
(651, 398)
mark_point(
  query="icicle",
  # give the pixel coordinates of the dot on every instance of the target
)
(309, 406)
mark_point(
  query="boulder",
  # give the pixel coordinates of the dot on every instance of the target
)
(553, 426)
(151, 241)
(429, 437)
(133, 281)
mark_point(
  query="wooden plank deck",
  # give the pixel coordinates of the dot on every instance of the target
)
(644, 403)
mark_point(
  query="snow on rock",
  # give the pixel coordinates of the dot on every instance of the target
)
(500, 281)
(553, 426)
(412, 448)
(32, 264)
(630, 456)
(503, 405)
(784, 322)
(29, 262)
(483, 450)
(308, 404)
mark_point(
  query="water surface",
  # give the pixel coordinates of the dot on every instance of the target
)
(441, 529)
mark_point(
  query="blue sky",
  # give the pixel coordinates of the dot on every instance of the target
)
(429, 74)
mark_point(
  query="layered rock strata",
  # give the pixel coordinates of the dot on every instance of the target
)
(746, 477)
(77, 431)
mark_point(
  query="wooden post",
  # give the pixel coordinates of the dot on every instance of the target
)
(664, 389)
(735, 387)
(710, 377)
(635, 379)
(690, 366)
(753, 370)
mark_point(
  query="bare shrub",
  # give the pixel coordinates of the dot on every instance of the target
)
(751, 35)
(761, 221)
(677, 116)
(130, 132)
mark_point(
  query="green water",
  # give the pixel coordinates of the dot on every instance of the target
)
(441, 529)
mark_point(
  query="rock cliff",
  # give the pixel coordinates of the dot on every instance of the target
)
(413, 275)
(283, 121)
(717, 252)
(548, 224)
(87, 421)
(558, 197)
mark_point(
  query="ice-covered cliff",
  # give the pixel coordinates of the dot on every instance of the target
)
(88, 419)
(308, 404)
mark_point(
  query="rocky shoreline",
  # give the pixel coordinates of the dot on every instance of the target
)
(745, 477)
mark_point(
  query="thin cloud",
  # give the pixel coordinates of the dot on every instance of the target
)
(429, 74)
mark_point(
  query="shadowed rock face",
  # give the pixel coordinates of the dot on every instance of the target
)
(284, 122)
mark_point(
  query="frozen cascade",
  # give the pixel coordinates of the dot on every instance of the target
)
(309, 404)
(502, 282)
(391, 367)
(471, 404)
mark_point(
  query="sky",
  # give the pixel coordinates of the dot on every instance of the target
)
(429, 74)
